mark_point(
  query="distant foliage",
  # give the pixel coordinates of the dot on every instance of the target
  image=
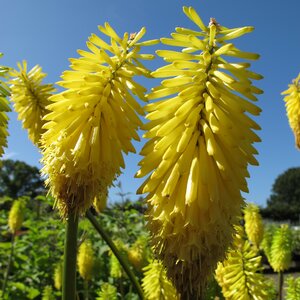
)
(20, 179)
(284, 201)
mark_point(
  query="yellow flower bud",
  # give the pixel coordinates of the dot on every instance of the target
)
(200, 145)
(57, 277)
(155, 283)
(239, 275)
(292, 104)
(100, 202)
(292, 288)
(92, 123)
(281, 248)
(85, 260)
(30, 98)
(48, 293)
(137, 253)
(116, 270)
(16, 215)
(253, 224)
(107, 292)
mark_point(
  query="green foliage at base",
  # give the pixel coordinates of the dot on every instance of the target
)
(39, 249)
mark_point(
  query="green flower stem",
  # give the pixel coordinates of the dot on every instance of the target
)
(70, 254)
(9, 264)
(280, 284)
(86, 290)
(116, 252)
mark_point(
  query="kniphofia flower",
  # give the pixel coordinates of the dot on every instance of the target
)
(254, 226)
(30, 98)
(292, 288)
(85, 260)
(281, 248)
(108, 292)
(200, 144)
(57, 276)
(100, 201)
(93, 122)
(16, 215)
(239, 275)
(156, 284)
(4, 108)
(292, 103)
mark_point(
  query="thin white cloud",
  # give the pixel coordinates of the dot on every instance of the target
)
(9, 155)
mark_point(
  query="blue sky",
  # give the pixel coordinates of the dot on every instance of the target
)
(49, 32)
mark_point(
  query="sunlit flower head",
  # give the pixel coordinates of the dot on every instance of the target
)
(200, 145)
(30, 98)
(92, 123)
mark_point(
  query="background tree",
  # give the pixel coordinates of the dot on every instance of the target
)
(20, 179)
(284, 201)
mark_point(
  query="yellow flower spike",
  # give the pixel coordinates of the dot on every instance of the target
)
(4, 108)
(292, 104)
(239, 275)
(92, 123)
(197, 157)
(16, 215)
(253, 224)
(48, 293)
(30, 98)
(138, 254)
(100, 202)
(116, 270)
(57, 276)
(292, 288)
(281, 248)
(107, 292)
(85, 260)
(155, 283)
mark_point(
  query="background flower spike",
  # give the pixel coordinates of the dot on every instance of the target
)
(30, 98)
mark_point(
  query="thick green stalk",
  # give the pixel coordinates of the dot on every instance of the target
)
(116, 252)
(280, 284)
(70, 255)
(86, 290)
(9, 264)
